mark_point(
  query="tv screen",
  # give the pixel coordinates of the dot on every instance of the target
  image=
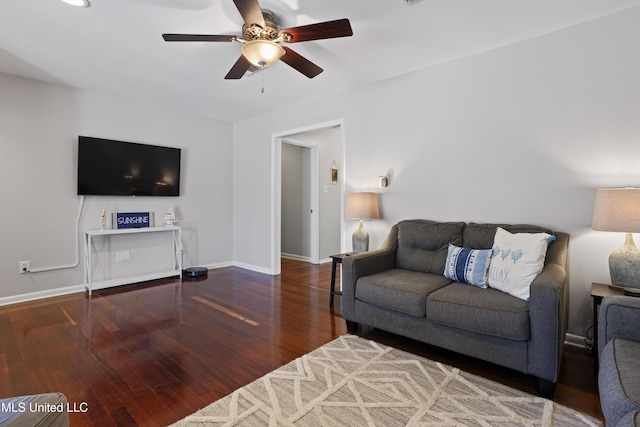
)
(116, 168)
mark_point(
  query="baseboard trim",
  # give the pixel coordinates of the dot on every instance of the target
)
(32, 296)
(296, 257)
(216, 265)
(251, 267)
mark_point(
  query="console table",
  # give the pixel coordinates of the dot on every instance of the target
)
(176, 267)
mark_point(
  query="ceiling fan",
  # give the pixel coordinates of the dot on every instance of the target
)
(261, 40)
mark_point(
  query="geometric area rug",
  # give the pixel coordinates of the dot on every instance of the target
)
(352, 381)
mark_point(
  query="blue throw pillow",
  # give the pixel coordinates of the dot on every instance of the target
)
(466, 265)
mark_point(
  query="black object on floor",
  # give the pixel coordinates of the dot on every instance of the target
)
(195, 271)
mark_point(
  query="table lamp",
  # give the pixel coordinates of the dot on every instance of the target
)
(618, 209)
(361, 206)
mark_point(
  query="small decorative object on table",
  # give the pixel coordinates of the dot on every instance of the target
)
(170, 217)
(103, 218)
(133, 220)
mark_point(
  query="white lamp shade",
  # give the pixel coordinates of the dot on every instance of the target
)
(617, 209)
(262, 53)
(362, 206)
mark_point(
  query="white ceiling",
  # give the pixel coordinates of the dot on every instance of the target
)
(115, 46)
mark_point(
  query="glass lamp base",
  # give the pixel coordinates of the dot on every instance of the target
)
(360, 240)
(624, 265)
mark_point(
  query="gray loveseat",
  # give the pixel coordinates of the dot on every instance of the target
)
(619, 350)
(401, 288)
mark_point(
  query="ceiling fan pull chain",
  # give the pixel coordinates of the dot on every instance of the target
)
(262, 81)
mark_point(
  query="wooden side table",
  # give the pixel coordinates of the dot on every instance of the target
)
(336, 259)
(598, 292)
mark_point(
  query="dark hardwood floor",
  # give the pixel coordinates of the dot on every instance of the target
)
(153, 353)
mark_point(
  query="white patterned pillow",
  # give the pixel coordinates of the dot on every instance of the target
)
(516, 260)
(468, 265)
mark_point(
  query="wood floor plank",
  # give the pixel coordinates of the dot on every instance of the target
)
(152, 353)
(71, 321)
(225, 310)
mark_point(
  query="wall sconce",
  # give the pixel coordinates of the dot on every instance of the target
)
(383, 182)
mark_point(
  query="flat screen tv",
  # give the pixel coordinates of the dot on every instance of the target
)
(116, 168)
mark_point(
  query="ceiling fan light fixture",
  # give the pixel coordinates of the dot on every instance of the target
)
(78, 3)
(262, 53)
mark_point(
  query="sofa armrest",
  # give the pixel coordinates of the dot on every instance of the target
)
(549, 311)
(619, 318)
(364, 264)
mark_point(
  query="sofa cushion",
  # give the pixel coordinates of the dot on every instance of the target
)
(400, 290)
(481, 236)
(468, 265)
(486, 311)
(423, 244)
(517, 259)
(619, 379)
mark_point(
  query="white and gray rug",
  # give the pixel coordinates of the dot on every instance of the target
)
(356, 382)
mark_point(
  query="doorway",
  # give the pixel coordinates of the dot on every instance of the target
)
(299, 219)
(321, 217)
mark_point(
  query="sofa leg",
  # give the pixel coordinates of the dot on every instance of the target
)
(546, 388)
(352, 327)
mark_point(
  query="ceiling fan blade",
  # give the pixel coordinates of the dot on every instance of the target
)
(321, 30)
(197, 38)
(239, 68)
(300, 63)
(250, 11)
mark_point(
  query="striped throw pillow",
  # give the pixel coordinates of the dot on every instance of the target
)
(467, 265)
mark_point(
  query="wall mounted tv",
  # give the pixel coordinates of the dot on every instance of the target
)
(116, 168)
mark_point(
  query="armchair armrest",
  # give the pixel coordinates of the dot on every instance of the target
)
(619, 317)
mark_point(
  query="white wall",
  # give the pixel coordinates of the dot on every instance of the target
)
(520, 134)
(39, 127)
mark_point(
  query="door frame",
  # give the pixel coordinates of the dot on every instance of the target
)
(277, 140)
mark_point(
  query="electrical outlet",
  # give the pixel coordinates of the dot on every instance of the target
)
(24, 267)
